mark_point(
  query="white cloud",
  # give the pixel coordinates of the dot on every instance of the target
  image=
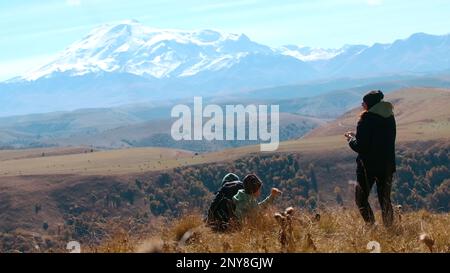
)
(73, 3)
(374, 2)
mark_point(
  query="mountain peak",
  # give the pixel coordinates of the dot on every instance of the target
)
(308, 54)
(129, 46)
(419, 35)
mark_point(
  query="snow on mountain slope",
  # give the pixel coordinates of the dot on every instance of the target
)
(133, 48)
(127, 62)
(308, 54)
(130, 47)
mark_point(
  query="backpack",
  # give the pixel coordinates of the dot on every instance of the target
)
(221, 211)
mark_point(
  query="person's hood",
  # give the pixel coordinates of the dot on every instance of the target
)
(383, 108)
(242, 196)
(230, 178)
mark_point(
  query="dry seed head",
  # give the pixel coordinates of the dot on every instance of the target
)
(279, 217)
(186, 236)
(310, 242)
(151, 246)
(317, 217)
(289, 211)
(427, 240)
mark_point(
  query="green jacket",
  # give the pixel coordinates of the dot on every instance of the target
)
(245, 203)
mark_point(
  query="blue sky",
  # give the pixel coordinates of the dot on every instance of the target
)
(31, 32)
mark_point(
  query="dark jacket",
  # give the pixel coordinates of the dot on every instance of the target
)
(222, 208)
(375, 140)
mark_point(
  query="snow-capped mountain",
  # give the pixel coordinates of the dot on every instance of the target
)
(130, 47)
(309, 54)
(419, 53)
(128, 62)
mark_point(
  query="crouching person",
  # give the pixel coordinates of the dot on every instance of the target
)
(245, 200)
(221, 212)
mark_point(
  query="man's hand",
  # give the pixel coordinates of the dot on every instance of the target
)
(275, 192)
(349, 135)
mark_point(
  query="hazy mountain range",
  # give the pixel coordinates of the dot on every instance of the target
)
(125, 63)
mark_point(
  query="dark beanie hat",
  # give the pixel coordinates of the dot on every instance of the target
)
(230, 178)
(252, 184)
(372, 98)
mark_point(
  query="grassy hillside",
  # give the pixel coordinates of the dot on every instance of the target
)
(90, 162)
(328, 231)
(51, 195)
(148, 124)
(52, 209)
(421, 114)
(42, 152)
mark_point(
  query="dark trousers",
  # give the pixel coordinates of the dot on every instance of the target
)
(362, 191)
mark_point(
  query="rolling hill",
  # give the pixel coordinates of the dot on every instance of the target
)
(156, 133)
(80, 194)
(122, 127)
(304, 107)
(421, 114)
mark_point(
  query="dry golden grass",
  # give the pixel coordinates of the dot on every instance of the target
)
(39, 152)
(337, 231)
(122, 242)
(123, 161)
(140, 160)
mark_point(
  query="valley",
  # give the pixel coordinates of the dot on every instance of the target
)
(49, 194)
(422, 115)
